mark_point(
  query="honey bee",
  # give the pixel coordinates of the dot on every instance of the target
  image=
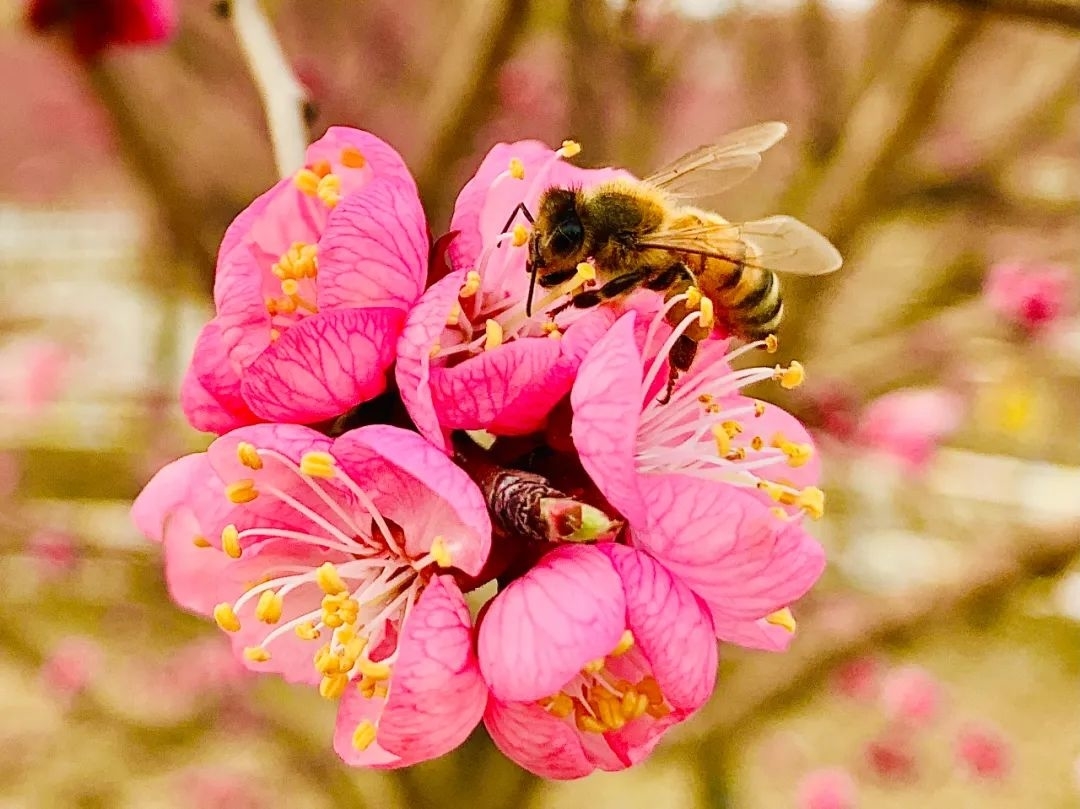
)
(644, 234)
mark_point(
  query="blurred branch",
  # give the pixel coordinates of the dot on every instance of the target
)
(462, 91)
(282, 95)
(823, 76)
(1059, 13)
(767, 682)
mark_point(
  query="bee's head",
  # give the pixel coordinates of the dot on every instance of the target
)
(559, 241)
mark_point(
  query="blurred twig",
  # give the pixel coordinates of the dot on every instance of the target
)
(823, 76)
(765, 683)
(1059, 13)
(282, 95)
(461, 93)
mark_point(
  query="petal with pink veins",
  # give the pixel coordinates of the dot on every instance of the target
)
(323, 366)
(537, 634)
(374, 249)
(541, 743)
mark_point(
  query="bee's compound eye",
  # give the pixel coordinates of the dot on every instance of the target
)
(568, 236)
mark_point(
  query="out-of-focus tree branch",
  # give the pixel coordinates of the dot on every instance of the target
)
(824, 76)
(282, 95)
(837, 632)
(1058, 13)
(461, 94)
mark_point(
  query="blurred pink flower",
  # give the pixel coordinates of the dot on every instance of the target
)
(891, 758)
(97, 24)
(699, 478)
(831, 788)
(214, 788)
(55, 553)
(590, 657)
(469, 358)
(1031, 297)
(356, 541)
(71, 666)
(858, 679)
(983, 751)
(911, 695)
(313, 283)
(909, 424)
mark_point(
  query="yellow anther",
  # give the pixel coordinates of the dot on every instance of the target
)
(354, 648)
(286, 306)
(721, 439)
(333, 620)
(199, 541)
(230, 541)
(732, 428)
(517, 168)
(782, 618)
(329, 580)
(307, 631)
(549, 327)
(759, 409)
(268, 609)
(797, 454)
(346, 635)
(307, 181)
(225, 616)
(471, 285)
(570, 148)
(364, 735)
(374, 670)
(771, 344)
(628, 703)
(290, 286)
(585, 272)
(352, 158)
(440, 553)
(555, 335)
(275, 335)
(693, 298)
(493, 335)
(248, 455)
(707, 315)
(812, 501)
(624, 644)
(757, 443)
(256, 654)
(658, 711)
(777, 492)
(241, 491)
(332, 686)
(790, 377)
(317, 464)
(593, 666)
(560, 705)
(433, 352)
(271, 306)
(329, 190)
(651, 689)
(454, 316)
(520, 235)
(587, 724)
(380, 690)
(321, 168)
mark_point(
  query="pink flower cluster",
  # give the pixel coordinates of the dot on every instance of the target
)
(95, 25)
(337, 551)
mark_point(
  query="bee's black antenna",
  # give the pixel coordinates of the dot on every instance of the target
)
(532, 288)
(523, 209)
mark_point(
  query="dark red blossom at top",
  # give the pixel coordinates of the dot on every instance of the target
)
(96, 24)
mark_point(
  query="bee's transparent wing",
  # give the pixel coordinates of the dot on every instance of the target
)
(778, 243)
(708, 170)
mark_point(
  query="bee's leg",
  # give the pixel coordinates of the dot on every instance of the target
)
(680, 358)
(678, 273)
(524, 211)
(614, 288)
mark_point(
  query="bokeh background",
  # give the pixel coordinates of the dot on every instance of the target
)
(937, 143)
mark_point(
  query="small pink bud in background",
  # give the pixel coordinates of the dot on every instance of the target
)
(911, 695)
(70, 667)
(891, 758)
(858, 679)
(830, 788)
(983, 751)
(55, 553)
(1030, 297)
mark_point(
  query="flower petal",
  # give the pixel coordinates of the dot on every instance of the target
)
(538, 632)
(374, 249)
(421, 489)
(323, 366)
(217, 375)
(165, 492)
(759, 634)
(671, 627)
(606, 400)
(742, 560)
(437, 695)
(536, 740)
(380, 158)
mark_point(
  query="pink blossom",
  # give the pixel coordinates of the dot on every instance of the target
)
(313, 283)
(214, 788)
(891, 758)
(699, 478)
(908, 425)
(911, 695)
(55, 553)
(334, 562)
(831, 788)
(590, 657)
(470, 358)
(71, 666)
(858, 679)
(97, 24)
(983, 751)
(1030, 297)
